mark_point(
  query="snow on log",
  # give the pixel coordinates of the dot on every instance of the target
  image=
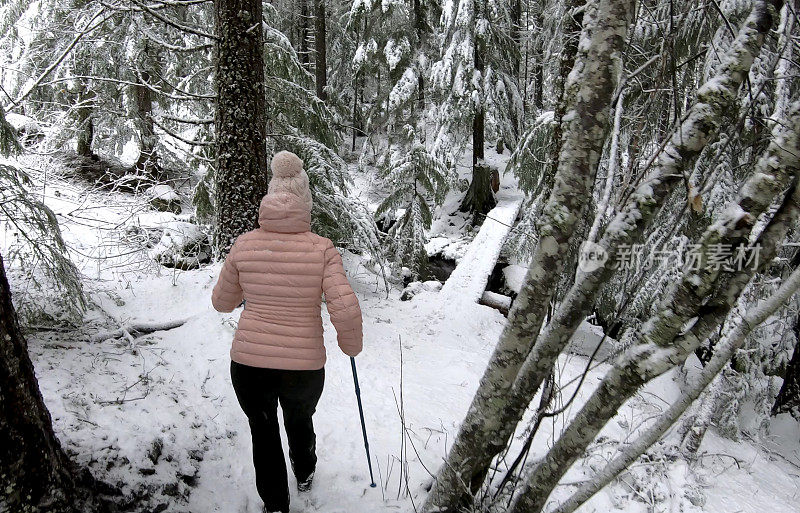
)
(496, 301)
(136, 329)
(468, 281)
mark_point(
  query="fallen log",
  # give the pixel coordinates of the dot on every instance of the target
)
(137, 329)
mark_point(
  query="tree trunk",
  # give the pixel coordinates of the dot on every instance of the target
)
(304, 33)
(584, 129)
(714, 102)
(572, 25)
(516, 35)
(480, 195)
(240, 119)
(35, 473)
(696, 427)
(727, 348)
(705, 294)
(419, 28)
(143, 96)
(573, 18)
(516, 116)
(479, 198)
(355, 116)
(320, 47)
(85, 122)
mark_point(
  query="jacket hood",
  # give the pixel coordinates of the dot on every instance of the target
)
(285, 213)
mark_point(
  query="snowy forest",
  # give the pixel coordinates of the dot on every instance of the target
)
(572, 227)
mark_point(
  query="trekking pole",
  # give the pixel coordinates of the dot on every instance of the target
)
(363, 426)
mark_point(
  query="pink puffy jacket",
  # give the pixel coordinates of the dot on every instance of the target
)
(282, 270)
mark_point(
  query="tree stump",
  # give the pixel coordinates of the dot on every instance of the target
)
(480, 196)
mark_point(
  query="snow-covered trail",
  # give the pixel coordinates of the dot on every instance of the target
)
(159, 416)
(186, 399)
(174, 386)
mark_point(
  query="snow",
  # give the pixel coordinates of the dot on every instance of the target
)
(515, 276)
(403, 90)
(496, 300)
(188, 402)
(394, 51)
(586, 340)
(21, 122)
(130, 152)
(164, 192)
(176, 236)
(111, 400)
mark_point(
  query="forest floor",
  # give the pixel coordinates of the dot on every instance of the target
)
(156, 414)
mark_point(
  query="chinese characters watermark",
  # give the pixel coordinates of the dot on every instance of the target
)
(690, 257)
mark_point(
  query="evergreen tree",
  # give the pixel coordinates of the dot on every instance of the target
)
(418, 182)
(298, 120)
(473, 77)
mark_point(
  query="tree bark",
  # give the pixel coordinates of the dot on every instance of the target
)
(595, 75)
(572, 24)
(479, 198)
(35, 473)
(240, 120)
(478, 122)
(320, 47)
(143, 97)
(480, 195)
(714, 101)
(696, 427)
(664, 342)
(419, 29)
(304, 33)
(85, 122)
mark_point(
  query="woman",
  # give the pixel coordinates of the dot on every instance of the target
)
(281, 271)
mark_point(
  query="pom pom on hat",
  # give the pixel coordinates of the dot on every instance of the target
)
(288, 176)
(286, 164)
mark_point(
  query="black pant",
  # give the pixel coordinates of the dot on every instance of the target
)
(258, 391)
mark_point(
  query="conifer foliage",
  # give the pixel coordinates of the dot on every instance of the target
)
(418, 182)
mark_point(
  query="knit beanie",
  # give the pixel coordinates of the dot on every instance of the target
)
(288, 176)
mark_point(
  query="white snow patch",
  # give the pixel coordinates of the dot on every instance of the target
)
(164, 192)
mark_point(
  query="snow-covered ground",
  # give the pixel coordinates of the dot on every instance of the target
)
(157, 414)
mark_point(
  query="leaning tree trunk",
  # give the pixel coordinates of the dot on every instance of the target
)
(694, 428)
(321, 49)
(664, 341)
(584, 131)
(726, 349)
(715, 101)
(240, 119)
(35, 473)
